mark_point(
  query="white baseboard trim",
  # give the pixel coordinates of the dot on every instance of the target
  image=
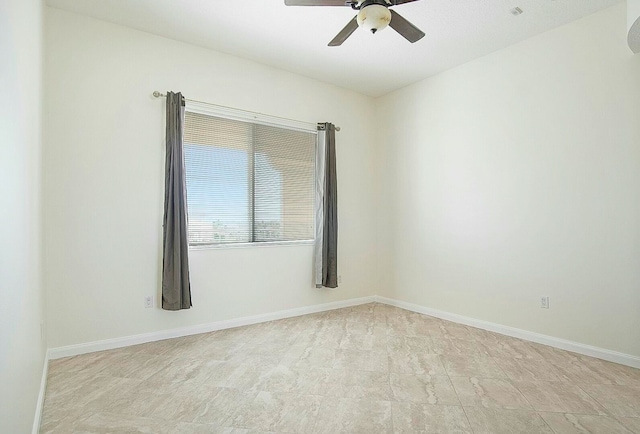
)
(108, 344)
(89, 347)
(40, 403)
(563, 344)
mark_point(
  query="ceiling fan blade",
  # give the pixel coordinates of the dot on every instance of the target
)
(399, 2)
(345, 33)
(315, 2)
(410, 32)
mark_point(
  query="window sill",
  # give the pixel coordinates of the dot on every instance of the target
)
(250, 245)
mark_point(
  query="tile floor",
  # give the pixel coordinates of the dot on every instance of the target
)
(367, 369)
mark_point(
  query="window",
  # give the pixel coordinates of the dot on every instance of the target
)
(248, 182)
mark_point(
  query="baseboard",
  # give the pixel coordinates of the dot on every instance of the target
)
(108, 344)
(576, 347)
(40, 403)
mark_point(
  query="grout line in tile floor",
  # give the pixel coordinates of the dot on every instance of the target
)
(466, 416)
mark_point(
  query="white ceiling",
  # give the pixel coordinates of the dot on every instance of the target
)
(295, 38)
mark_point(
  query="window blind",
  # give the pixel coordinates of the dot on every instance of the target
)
(247, 182)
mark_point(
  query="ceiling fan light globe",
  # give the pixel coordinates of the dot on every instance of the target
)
(374, 18)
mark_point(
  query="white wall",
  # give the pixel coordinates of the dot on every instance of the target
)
(510, 177)
(518, 175)
(21, 311)
(103, 172)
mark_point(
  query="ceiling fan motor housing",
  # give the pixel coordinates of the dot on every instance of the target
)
(374, 15)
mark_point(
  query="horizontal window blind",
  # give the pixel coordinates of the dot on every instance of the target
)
(247, 182)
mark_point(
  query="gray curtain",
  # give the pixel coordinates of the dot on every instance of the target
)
(176, 288)
(327, 214)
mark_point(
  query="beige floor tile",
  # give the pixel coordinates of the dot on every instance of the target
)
(90, 364)
(186, 346)
(336, 314)
(358, 416)
(566, 423)
(404, 344)
(191, 404)
(423, 388)
(145, 404)
(619, 374)
(346, 383)
(577, 371)
(360, 328)
(208, 348)
(405, 326)
(456, 347)
(489, 392)
(361, 360)
(58, 428)
(243, 377)
(508, 347)
(160, 402)
(197, 428)
(554, 396)
(632, 423)
(232, 374)
(151, 385)
(360, 317)
(407, 362)
(337, 371)
(258, 361)
(351, 341)
(619, 400)
(79, 391)
(447, 329)
(138, 365)
(500, 421)
(181, 370)
(524, 369)
(283, 378)
(417, 418)
(62, 385)
(553, 355)
(237, 334)
(472, 366)
(117, 423)
(399, 326)
(266, 353)
(57, 419)
(368, 308)
(279, 412)
(305, 357)
(223, 408)
(120, 388)
(328, 338)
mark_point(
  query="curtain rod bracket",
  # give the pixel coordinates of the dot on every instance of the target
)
(321, 127)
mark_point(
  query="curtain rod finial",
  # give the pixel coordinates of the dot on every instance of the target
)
(157, 94)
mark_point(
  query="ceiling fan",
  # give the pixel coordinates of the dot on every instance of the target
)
(373, 15)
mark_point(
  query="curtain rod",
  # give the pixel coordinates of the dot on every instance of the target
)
(157, 94)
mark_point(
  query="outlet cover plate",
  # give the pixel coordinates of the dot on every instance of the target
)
(544, 302)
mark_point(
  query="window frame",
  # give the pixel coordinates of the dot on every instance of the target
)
(256, 118)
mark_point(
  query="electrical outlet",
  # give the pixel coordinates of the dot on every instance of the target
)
(544, 302)
(339, 278)
(148, 301)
